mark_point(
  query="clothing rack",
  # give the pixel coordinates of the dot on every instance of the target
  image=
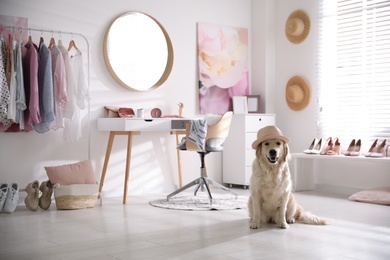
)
(88, 69)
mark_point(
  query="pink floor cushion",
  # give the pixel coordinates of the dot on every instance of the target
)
(376, 196)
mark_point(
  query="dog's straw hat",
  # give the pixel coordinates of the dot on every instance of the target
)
(267, 133)
(297, 93)
(297, 26)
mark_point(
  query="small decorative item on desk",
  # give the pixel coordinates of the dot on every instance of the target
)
(140, 113)
(181, 108)
(126, 112)
(156, 113)
(111, 111)
(180, 113)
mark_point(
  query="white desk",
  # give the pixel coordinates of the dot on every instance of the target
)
(133, 126)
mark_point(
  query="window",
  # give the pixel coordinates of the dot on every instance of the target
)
(353, 70)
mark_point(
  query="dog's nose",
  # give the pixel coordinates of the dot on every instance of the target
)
(272, 153)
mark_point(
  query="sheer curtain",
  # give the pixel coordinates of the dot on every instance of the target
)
(353, 70)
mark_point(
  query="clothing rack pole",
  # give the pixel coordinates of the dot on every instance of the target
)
(88, 72)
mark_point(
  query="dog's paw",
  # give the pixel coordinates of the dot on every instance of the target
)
(291, 221)
(255, 224)
(283, 225)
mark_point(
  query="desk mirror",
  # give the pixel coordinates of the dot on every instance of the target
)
(138, 51)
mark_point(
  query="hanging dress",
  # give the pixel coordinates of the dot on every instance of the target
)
(72, 130)
(4, 90)
(70, 83)
(45, 86)
(59, 87)
(11, 113)
(20, 93)
(30, 76)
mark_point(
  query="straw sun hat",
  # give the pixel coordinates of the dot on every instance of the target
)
(267, 133)
(297, 93)
(297, 26)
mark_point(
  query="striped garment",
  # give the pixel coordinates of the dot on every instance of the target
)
(198, 132)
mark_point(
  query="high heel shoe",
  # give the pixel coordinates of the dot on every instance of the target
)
(308, 151)
(356, 149)
(317, 148)
(381, 150)
(328, 147)
(350, 148)
(336, 148)
(372, 149)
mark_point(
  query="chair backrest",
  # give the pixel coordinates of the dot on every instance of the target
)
(218, 130)
(221, 128)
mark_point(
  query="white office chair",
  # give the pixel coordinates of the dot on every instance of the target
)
(213, 142)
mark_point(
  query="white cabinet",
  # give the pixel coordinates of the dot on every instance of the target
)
(238, 154)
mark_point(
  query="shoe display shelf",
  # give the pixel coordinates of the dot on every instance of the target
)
(310, 171)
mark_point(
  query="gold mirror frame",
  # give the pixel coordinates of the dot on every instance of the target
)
(169, 63)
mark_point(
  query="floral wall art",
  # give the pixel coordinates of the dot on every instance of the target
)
(223, 67)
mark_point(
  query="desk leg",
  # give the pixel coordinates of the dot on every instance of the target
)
(179, 161)
(128, 158)
(106, 159)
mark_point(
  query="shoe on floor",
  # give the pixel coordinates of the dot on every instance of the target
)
(32, 199)
(47, 190)
(3, 194)
(12, 198)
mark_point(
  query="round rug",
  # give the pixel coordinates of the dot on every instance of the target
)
(201, 202)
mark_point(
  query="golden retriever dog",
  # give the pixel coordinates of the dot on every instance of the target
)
(271, 199)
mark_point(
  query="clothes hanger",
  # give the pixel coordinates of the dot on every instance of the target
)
(29, 35)
(11, 37)
(52, 42)
(59, 38)
(20, 34)
(13, 33)
(41, 40)
(72, 44)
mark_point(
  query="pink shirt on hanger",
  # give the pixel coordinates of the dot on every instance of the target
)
(30, 74)
(59, 87)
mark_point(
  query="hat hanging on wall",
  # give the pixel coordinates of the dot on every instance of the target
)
(297, 26)
(297, 93)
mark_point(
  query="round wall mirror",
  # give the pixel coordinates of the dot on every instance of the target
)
(138, 51)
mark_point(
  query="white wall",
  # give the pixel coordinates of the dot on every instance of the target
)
(263, 53)
(154, 166)
(295, 59)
